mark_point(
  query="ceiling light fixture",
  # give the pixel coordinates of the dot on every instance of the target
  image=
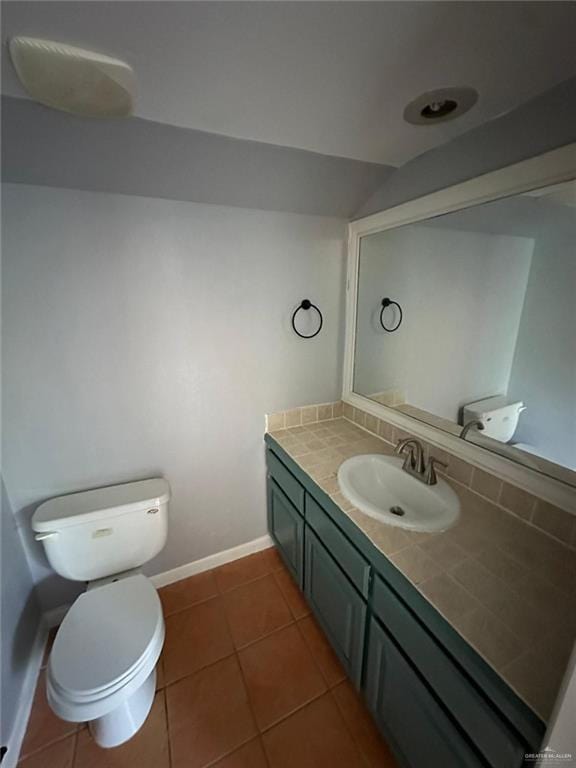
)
(440, 105)
(73, 79)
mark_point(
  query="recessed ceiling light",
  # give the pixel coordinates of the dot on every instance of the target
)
(440, 105)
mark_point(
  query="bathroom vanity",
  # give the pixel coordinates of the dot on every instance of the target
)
(457, 632)
(436, 700)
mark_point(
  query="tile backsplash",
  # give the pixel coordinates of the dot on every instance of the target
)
(308, 414)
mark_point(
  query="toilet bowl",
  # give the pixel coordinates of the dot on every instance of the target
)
(102, 667)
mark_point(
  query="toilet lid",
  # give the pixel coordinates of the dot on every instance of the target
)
(105, 635)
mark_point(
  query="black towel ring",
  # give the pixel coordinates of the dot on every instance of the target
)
(307, 304)
(389, 303)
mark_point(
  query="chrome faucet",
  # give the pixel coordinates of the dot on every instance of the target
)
(468, 426)
(414, 462)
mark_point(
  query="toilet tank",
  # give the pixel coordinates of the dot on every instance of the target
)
(498, 414)
(103, 532)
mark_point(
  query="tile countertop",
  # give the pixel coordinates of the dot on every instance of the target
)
(505, 586)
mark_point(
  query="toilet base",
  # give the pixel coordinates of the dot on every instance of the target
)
(125, 721)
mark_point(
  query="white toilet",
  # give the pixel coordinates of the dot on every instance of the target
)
(102, 667)
(499, 415)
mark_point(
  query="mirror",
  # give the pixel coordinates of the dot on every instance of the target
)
(481, 325)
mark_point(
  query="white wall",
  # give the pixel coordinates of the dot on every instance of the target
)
(561, 736)
(462, 295)
(20, 620)
(147, 337)
(544, 369)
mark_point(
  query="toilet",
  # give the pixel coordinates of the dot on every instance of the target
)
(102, 666)
(499, 415)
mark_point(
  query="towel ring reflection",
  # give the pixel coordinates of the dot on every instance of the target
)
(389, 303)
(306, 304)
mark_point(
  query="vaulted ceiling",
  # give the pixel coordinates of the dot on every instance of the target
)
(331, 77)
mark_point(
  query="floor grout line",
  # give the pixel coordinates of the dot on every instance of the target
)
(353, 739)
(309, 649)
(36, 752)
(259, 732)
(196, 671)
(166, 715)
(224, 592)
(249, 701)
(75, 749)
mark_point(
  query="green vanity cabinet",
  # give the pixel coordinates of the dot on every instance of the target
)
(339, 608)
(417, 728)
(436, 701)
(286, 527)
(452, 688)
(357, 569)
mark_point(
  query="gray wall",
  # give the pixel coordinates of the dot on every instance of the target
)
(544, 123)
(462, 295)
(544, 370)
(20, 619)
(146, 337)
(140, 157)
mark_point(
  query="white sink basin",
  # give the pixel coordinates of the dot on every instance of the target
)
(378, 486)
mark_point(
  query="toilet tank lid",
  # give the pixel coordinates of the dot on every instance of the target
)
(99, 504)
(489, 404)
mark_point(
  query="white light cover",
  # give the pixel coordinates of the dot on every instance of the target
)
(73, 79)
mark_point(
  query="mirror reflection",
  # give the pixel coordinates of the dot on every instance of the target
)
(468, 322)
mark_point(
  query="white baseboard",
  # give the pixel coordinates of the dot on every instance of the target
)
(212, 561)
(26, 698)
(54, 617)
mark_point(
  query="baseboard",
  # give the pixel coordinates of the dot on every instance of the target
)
(26, 697)
(54, 617)
(212, 561)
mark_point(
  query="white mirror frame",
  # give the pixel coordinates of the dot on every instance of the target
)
(553, 167)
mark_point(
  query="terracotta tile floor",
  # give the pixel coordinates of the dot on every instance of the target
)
(246, 680)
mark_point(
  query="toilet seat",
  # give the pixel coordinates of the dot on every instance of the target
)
(107, 645)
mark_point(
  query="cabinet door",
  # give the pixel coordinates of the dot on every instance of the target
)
(287, 529)
(407, 713)
(478, 717)
(338, 607)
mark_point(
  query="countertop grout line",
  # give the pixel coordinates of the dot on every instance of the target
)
(470, 555)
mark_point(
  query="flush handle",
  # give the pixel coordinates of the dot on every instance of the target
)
(47, 535)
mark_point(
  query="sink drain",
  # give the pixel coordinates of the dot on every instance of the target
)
(397, 511)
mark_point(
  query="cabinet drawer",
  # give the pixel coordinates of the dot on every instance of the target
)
(291, 487)
(490, 733)
(342, 550)
(287, 529)
(338, 607)
(408, 713)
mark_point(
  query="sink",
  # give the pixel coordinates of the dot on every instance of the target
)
(378, 486)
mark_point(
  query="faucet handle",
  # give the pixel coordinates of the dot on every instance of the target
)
(430, 477)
